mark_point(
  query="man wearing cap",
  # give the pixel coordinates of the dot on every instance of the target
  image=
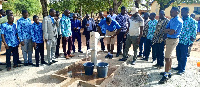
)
(134, 31)
(123, 20)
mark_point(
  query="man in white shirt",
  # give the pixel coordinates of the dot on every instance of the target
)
(134, 31)
(111, 14)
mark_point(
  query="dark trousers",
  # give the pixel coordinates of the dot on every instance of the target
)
(39, 50)
(76, 35)
(64, 42)
(102, 43)
(147, 49)
(181, 53)
(120, 41)
(87, 36)
(142, 41)
(58, 45)
(14, 50)
(159, 51)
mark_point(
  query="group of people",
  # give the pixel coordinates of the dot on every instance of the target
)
(179, 33)
(140, 31)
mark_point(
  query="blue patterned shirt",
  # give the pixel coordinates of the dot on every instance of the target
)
(189, 30)
(24, 28)
(37, 33)
(123, 21)
(151, 28)
(10, 34)
(65, 26)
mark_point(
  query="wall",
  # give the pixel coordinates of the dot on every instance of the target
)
(155, 8)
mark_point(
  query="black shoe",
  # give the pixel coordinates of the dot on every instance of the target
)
(36, 65)
(156, 65)
(9, 68)
(133, 62)
(162, 73)
(2, 63)
(122, 59)
(175, 68)
(111, 56)
(80, 51)
(107, 56)
(180, 72)
(54, 61)
(163, 80)
(1, 69)
(56, 56)
(117, 55)
(25, 64)
(145, 59)
(19, 62)
(4, 53)
(15, 66)
(50, 63)
(139, 56)
(44, 62)
(30, 63)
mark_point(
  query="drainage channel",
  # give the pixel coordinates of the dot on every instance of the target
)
(75, 72)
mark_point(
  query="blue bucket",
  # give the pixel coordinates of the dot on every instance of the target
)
(88, 67)
(102, 69)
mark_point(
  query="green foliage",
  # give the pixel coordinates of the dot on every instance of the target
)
(32, 6)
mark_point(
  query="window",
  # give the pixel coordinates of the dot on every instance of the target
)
(196, 10)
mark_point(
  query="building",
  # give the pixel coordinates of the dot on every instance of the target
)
(194, 8)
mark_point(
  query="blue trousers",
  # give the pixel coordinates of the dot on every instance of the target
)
(120, 41)
(181, 53)
(142, 41)
(147, 49)
(87, 36)
(159, 52)
(76, 35)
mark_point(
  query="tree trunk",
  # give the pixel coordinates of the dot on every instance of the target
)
(44, 7)
(116, 5)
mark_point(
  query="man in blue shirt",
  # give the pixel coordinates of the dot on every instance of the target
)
(111, 26)
(3, 14)
(24, 33)
(103, 30)
(37, 38)
(76, 26)
(123, 20)
(187, 37)
(11, 42)
(173, 30)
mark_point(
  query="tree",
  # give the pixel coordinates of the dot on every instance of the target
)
(166, 3)
(32, 6)
(44, 7)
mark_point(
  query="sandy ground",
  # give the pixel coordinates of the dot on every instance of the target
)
(129, 76)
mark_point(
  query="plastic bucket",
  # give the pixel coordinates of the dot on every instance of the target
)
(102, 69)
(88, 67)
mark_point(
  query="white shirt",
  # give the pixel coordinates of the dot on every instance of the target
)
(134, 29)
(112, 17)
